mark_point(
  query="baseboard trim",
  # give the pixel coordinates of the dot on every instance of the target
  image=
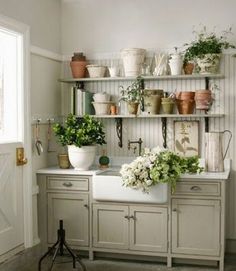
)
(11, 253)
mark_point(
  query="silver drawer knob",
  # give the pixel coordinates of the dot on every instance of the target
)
(67, 184)
(195, 188)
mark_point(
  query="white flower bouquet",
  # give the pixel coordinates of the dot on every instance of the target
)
(157, 166)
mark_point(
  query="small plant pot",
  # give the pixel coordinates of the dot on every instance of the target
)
(63, 161)
(78, 68)
(185, 107)
(210, 63)
(152, 100)
(168, 107)
(188, 68)
(132, 108)
(203, 99)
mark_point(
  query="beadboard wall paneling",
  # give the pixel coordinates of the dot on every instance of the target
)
(150, 129)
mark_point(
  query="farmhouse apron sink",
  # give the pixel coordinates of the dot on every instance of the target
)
(107, 186)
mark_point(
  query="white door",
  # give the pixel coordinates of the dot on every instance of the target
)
(12, 136)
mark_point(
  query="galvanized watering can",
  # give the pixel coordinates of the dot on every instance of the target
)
(214, 155)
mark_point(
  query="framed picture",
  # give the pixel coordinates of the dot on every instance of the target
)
(186, 138)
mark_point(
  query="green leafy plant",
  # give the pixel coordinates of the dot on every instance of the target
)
(206, 42)
(157, 166)
(134, 92)
(80, 131)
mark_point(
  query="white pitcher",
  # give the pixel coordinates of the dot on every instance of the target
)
(214, 151)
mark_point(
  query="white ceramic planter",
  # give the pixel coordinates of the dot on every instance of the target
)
(102, 108)
(176, 64)
(210, 63)
(101, 97)
(133, 58)
(81, 158)
(96, 70)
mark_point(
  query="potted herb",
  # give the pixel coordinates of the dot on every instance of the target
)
(133, 95)
(80, 135)
(206, 49)
(157, 166)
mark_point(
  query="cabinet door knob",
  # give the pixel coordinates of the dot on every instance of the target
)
(127, 217)
(67, 184)
(132, 217)
(86, 205)
(195, 188)
(174, 210)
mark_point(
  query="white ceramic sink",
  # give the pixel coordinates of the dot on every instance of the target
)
(107, 186)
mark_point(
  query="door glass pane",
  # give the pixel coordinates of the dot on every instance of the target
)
(10, 86)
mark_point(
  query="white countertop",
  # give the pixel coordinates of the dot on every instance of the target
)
(70, 171)
(95, 169)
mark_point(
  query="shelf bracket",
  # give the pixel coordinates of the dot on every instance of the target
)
(119, 131)
(79, 85)
(164, 131)
(206, 124)
(207, 82)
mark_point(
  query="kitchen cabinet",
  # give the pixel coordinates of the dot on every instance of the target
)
(64, 197)
(198, 220)
(73, 210)
(196, 227)
(134, 227)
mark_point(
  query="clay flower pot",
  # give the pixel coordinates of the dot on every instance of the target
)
(203, 99)
(185, 106)
(152, 100)
(168, 105)
(133, 108)
(188, 68)
(78, 68)
(185, 95)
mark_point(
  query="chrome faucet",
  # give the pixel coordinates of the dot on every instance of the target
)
(139, 142)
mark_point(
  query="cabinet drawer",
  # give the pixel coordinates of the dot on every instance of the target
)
(67, 183)
(196, 188)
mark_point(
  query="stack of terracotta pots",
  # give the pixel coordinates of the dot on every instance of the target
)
(203, 99)
(78, 65)
(185, 102)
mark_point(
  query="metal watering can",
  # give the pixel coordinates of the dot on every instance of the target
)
(214, 155)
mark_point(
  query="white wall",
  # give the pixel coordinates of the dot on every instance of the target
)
(110, 25)
(43, 17)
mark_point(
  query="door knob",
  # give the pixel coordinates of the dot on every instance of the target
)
(20, 157)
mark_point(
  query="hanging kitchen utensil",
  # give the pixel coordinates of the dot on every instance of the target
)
(38, 142)
(49, 136)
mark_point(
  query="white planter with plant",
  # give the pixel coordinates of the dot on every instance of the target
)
(80, 135)
(206, 50)
(133, 95)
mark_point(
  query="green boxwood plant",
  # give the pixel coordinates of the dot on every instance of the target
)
(80, 131)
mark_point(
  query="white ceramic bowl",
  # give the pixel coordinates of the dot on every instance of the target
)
(96, 70)
(101, 97)
(102, 108)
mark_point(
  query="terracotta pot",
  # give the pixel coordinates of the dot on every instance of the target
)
(203, 99)
(185, 107)
(188, 68)
(133, 108)
(185, 95)
(78, 68)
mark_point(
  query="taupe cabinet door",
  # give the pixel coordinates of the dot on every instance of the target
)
(141, 228)
(110, 227)
(73, 209)
(148, 228)
(196, 227)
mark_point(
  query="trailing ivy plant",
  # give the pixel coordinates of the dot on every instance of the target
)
(80, 131)
(206, 42)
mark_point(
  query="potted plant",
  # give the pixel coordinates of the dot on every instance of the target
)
(133, 95)
(157, 166)
(80, 135)
(206, 49)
